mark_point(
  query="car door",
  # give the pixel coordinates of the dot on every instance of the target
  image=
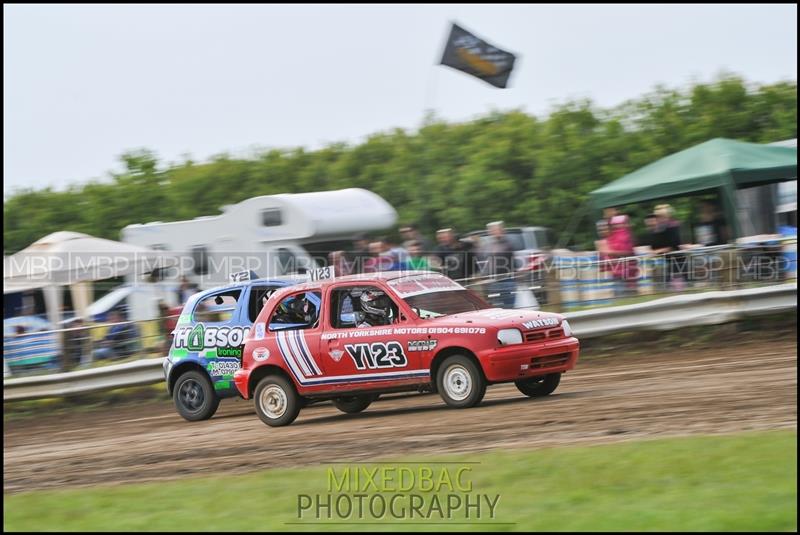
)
(294, 325)
(355, 354)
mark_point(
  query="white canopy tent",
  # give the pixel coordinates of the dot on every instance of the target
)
(74, 259)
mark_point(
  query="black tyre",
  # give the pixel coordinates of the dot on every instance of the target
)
(353, 404)
(460, 382)
(194, 396)
(277, 402)
(539, 386)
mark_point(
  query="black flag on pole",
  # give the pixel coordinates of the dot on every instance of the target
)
(474, 56)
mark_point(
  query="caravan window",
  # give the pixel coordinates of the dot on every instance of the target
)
(271, 217)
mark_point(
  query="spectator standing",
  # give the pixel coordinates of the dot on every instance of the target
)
(453, 254)
(411, 233)
(389, 256)
(77, 345)
(370, 263)
(667, 242)
(620, 249)
(398, 254)
(651, 223)
(417, 260)
(601, 245)
(711, 229)
(187, 289)
(120, 341)
(360, 254)
(498, 256)
(338, 260)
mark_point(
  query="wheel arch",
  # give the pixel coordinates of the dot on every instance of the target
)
(442, 355)
(262, 371)
(180, 369)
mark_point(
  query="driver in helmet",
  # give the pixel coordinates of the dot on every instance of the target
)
(297, 310)
(376, 309)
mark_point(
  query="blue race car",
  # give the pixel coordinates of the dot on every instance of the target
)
(208, 341)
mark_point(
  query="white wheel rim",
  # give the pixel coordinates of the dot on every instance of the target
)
(457, 382)
(273, 401)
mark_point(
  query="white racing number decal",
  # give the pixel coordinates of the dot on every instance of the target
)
(319, 274)
(377, 355)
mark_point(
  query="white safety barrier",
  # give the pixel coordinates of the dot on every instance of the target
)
(675, 312)
(706, 308)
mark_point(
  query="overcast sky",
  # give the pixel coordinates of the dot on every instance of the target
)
(82, 84)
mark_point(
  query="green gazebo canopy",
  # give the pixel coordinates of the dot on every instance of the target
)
(723, 164)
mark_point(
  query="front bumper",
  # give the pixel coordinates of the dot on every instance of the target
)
(521, 361)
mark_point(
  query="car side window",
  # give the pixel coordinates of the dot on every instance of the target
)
(350, 311)
(217, 307)
(258, 298)
(296, 311)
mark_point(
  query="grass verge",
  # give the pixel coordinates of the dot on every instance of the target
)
(743, 482)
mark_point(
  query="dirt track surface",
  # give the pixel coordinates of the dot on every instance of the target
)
(751, 386)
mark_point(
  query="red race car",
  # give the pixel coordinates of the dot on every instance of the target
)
(353, 338)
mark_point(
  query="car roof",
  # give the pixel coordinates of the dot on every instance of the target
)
(362, 277)
(283, 280)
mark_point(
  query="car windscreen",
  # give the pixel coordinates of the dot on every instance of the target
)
(433, 304)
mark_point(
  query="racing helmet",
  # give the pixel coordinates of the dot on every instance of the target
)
(376, 303)
(298, 308)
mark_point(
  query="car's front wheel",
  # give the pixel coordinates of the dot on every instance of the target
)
(353, 404)
(539, 386)
(194, 396)
(277, 402)
(460, 382)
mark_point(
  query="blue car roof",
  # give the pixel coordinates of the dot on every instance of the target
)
(286, 280)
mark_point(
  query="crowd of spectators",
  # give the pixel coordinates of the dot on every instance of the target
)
(462, 258)
(664, 239)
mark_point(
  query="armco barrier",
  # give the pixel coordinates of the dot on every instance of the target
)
(662, 314)
(706, 308)
(138, 372)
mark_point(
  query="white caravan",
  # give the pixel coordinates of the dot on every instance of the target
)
(270, 234)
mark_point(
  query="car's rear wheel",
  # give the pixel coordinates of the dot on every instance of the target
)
(539, 386)
(460, 382)
(277, 402)
(353, 404)
(194, 396)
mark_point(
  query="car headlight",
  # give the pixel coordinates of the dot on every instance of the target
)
(567, 328)
(509, 336)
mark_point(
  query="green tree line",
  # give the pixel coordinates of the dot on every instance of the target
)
(511, 165)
